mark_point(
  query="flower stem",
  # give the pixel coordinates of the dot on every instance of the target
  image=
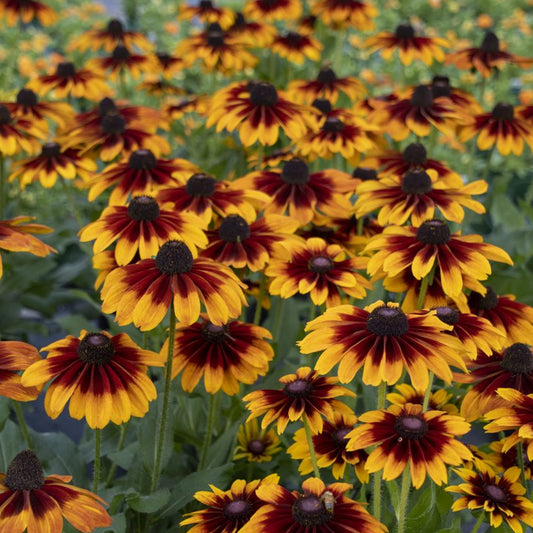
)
(487, 166)
(309, 437)
(480, 521)
(166, 396)
(258, 306)
(426, 282)
(404, 498)
(120, 445)
(208, 432)
(22, 424)
(376, 497)
(427, 394)
(96, 473)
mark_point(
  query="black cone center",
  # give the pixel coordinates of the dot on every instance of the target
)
(326, 76)
(113, 124)
(295, 172)
(518, 359)
(96, 349)
(387, 321)
(234, 229)
(142, 160)
(503, 111)
(174, 257)
(263, 93)
(65, 70)
(411, 427)
(200, 185)
(422, 97)
(27, 98)
(50, 150)
(404, 31)
(143, 208)
(24, 472)
(417, 182)
(433, 232)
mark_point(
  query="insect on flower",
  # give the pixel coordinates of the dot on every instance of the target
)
(328, 500)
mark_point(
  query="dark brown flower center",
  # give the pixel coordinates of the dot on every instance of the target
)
(320, 264)
(238, 510)
(339, 436)
(96, 349)
(213, 333)
(121, 53)
(323, 105)
(411, 427)
(234, 229)
(490, 43)
(293, 39)
(205, 4)
(309, 511)
(326, 76)
(404, 31)
(174, 257)
(422, 97)
(163, 58)
(50, 150)
(433, 232)
(239, 21)
(115, 29)
(142, 160)
(299, 388)
(143, 208)
(415, 154)
(503, 111)
(24, 472)
(495, 493)
(387, 321)
(27, 98)
(440, 86)
(333, 125)
(256, 447)
(417, 182)
(295, 172)
(215, 38)
(5, 115)
(113, 124)
(200, 185)
(365, 174)
(448, 315)
(263, 93)
(107, 106)
(483, 303)
(518, 359)
(66, 70)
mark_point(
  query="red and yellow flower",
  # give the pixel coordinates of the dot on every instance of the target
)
(25, 11)
(256, 445)
(15, 357)
(342, 13)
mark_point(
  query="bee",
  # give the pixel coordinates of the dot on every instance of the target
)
(328, 500)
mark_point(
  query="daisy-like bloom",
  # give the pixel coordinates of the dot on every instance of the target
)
(440, 86)
(109, 37)
(486, 58)
(103, 376)
(141, 174)
(165, 65)
(15, 357)
(384, 340)
(51, 163)
(438, 400)
(304, 395)
(141, 228)
(18, 134)
(226, 355)
(256, 445)
(120, 60)
(500, 127)
(239, 243)
(503, 456)
(158, 87)
(295, 190)
(419, 248)
(319, 269)
(272, 9)
(176, 109)
(326, 85)
(258, 111)
(143, 292)
(501, 497)
(206, 197)
(26, 11)
(406, 435)
(416, 112)
(512, 318)
(227, 511)
(207, 12)
(217, 50)
(319, 509)
(511, 367)
(409, 45)
(15, 236)
(342, 13)
(31, 502)
(296, 47)
(330, 449)
(416, 195)
(253, 32)
(517, 414)
(67, 81)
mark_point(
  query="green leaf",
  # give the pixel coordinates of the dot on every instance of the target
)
(394, 493)
(11, 443)
(422, 516)
(148, 503)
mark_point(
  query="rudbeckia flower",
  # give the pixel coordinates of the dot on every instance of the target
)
(438, 400)
(15, 357)
(26, 10)
(516, 414)
(384, 341)
(461, 100)
(143, 292)
(103, 377)
(31, 502)
(304, 395)
(407, 436)
(18, 134)
(504, 454)
(272, 9)
(296, 47)
(253, 32)
(225, 356)
(167, 66)
(503, 498)
(206, 12)
(319, 509)
(409, 45)
(342, 13)
(256, 445)
(120, 61)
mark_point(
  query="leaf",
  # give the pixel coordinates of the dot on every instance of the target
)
(422, 516)
(11, 444)
(148, 503)
(394, 493)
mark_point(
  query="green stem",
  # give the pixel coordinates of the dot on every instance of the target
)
(309, 437)
(208, 432)
(427, 394)
(258, 306)
(166, 396)
(376, 498)
(426, 282)
(22, 424)
(360, 226)
(480, 521)
(404, 498)
(122, 439)
(487, 166)
(97, 443)
(520, 460)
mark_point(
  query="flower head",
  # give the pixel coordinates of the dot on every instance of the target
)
(15, 357)
(256, 445)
